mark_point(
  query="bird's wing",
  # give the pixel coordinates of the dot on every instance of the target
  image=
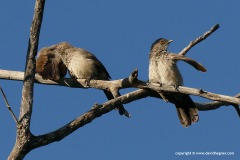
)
(190, 61)
(98, 64)
(83, 64)
(49, 64)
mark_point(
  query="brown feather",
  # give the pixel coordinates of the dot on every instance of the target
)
(184, 119)
(186, 109)
(49, 64)
(190, 61)
(84, 65)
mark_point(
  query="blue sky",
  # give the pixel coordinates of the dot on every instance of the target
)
(120, 33)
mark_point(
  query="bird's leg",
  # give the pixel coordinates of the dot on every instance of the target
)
(87, 81)
(162, 94)
(176, 87)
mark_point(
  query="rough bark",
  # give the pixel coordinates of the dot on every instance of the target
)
(24, 136)
(123, 83)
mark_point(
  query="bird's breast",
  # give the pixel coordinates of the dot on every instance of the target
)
(165, 71)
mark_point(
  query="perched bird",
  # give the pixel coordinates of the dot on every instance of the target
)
(163, 69)
(49, 63)
(80, 63)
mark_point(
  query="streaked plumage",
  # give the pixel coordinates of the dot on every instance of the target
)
(163, 70)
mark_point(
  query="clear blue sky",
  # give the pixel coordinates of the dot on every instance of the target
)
(120, 33)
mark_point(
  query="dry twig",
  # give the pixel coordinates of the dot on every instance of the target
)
(199, 39)
(8, 106)
(127, 83)
(24, 136)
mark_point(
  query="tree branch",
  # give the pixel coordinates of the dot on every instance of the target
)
(23, 131)
(8, 106)
(197, 92)
(95, 112)
(216, 104)
(99, 110)
(199, 39)
(125, 83)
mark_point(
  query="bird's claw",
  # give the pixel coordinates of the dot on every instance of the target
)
(176, 87)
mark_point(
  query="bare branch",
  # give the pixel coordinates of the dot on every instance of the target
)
(95, 112)
(216, 104)
(8, 106)
(24, 136)
(199, 39)
(29, 75)
(125, 83)
(196, 92)
(99, 110)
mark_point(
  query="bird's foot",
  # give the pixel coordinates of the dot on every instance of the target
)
(161, 84)
(201, 91)
(176, 87)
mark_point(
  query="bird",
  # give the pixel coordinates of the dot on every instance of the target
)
(81, 64)
(163, 70)
(49, 63)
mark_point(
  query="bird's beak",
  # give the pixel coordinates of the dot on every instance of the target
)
(169, 41)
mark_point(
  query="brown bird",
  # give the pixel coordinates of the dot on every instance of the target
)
(163, 70)
(84, 65)
(54, 61)
(49, 63)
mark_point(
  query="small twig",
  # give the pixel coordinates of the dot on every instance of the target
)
(237, 109)
(133, 76)
(236, 106)
(217, 104)
(8, 106)
(199, 39)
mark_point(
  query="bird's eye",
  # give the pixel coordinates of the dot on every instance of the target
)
(162, 42)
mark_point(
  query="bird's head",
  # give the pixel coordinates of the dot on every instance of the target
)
(160, 44)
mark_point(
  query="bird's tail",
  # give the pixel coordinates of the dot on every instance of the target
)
(187, 111)
(121, 109)
(187, 116)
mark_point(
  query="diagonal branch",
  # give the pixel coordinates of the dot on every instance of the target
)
(24, 136)
(8, 106)
(29, 75)
(199, 39)
(216, 104)
(98, 111)
(95, 112)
